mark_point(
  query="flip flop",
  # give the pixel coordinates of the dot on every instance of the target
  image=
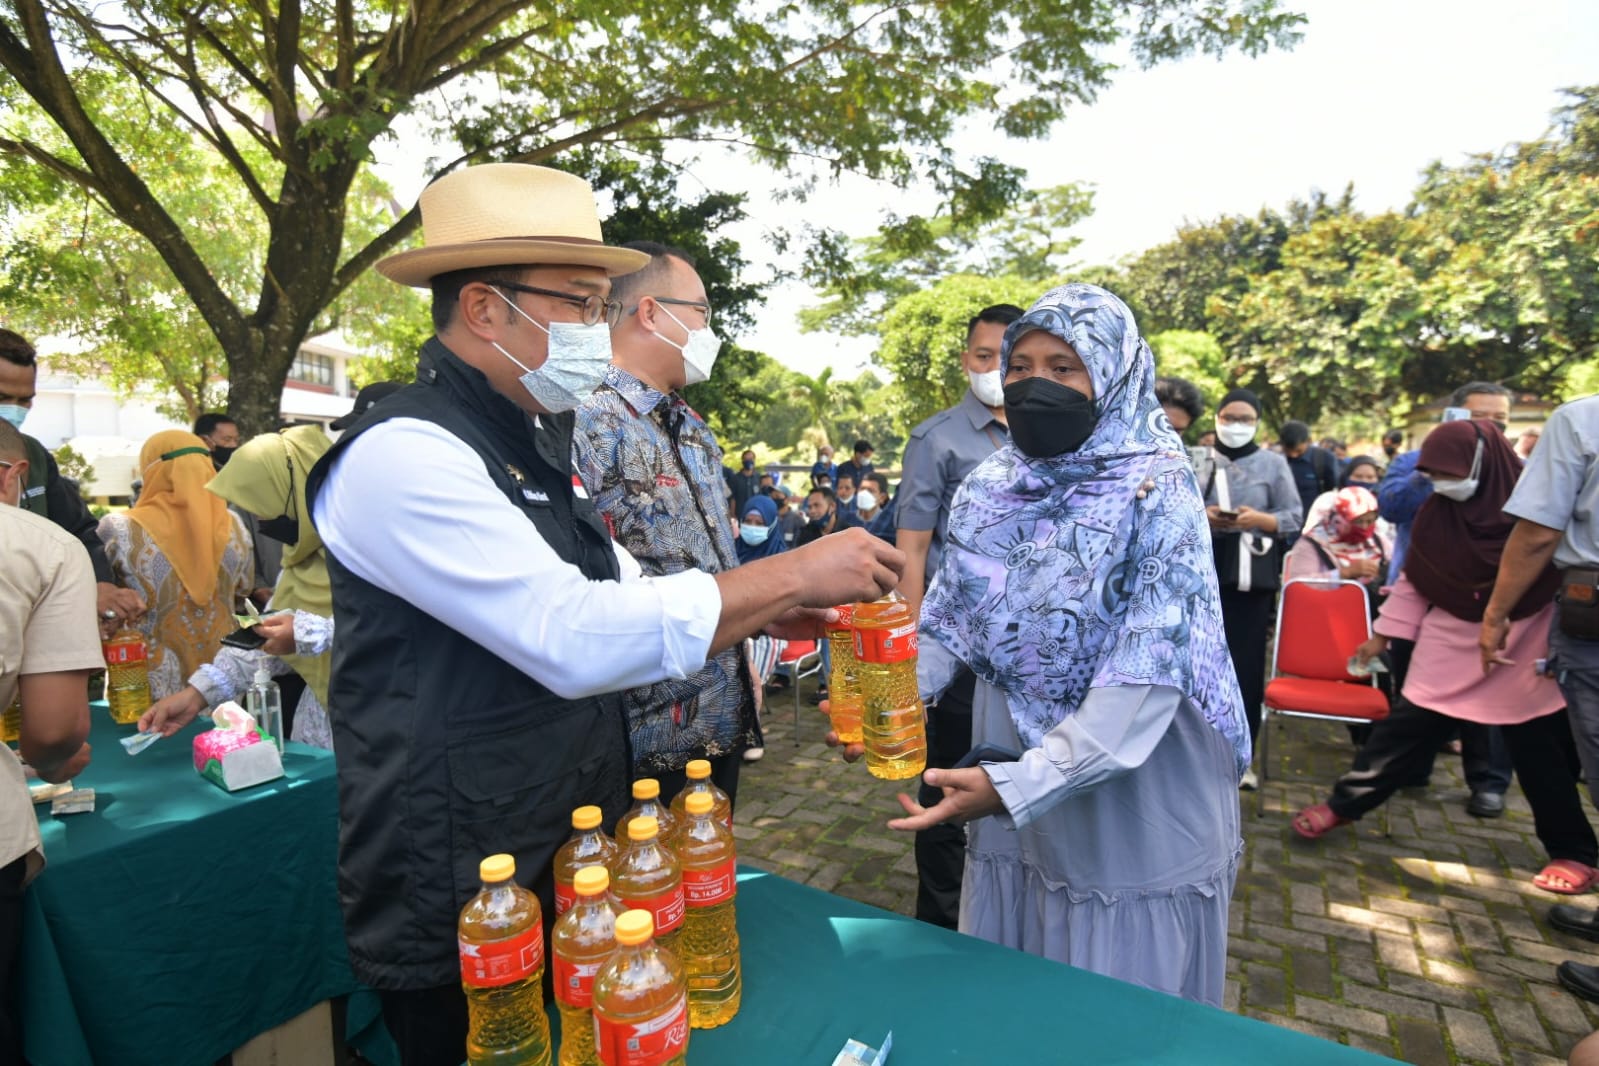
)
(1575, 875)
(1315, 821)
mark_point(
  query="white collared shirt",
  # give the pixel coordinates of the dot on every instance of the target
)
(410, 508)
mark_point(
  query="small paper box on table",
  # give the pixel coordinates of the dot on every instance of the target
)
(236, 753)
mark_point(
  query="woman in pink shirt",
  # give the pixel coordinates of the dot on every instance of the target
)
(1438, 602)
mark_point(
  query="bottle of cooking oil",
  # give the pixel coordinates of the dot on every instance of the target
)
(649, 878)
(698, 772)
(893, 720)
(843, 677)
(11, 722)
(584, 937)
(640, 1000)
(708, 947)
(647, 804)
(127, 686)
(589, 846)
(501, 936)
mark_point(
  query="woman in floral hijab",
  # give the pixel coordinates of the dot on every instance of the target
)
(1078, 584)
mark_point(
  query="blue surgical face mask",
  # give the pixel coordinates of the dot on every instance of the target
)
(13, 413)
(754, 536)
(572, 369)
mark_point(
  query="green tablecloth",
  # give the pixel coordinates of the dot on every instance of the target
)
(177, 921)
(819, 969)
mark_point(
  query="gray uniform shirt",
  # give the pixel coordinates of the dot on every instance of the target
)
(939, 455)
(1559, 488)
(1263, 481)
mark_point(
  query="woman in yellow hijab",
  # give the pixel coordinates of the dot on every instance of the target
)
(266, 477)
(186, 555)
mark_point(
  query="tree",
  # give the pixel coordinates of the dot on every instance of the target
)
(314, 86)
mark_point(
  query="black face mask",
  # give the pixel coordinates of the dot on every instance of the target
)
(221, 455)
(282, 528)
(1046, 418)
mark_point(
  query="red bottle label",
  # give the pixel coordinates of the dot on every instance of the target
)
(500, 962)
(665, 907)
(565, 896)
(651, 1042)
(846, 618)
(710, 886)
(896, 644)
(131, 651)
(574, 981)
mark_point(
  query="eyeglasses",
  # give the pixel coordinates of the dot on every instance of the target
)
(699, 305)
(595, 308)
(1237, 420)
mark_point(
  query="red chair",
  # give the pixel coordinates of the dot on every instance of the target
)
(796, 654)
(1320, 623)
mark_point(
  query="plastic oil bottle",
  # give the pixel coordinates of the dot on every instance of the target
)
(647, 804)
(584, 937)
(698, 772)
(127, 686)
(11, 722)
(589, 846)
(843, 678)
(708, 947)
(893, 721)
(649, 878)
(501, 937)
(640, 1000)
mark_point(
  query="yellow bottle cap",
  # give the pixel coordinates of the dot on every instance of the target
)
(698, 769)
(634, 927)
(699, 803)
(643, 829)
(646, 788)
(586, 818)
(497, 868)
(591, 880)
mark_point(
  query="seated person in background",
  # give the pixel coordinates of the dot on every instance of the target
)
(1363, 472)
(758, 532)
(185, 553)
(822, 516)
(845, 489)
(49, 646)
(789, 519)
(1346, 542)
(1181, 400)
(858, 465)
(824, 465)
(874, 509)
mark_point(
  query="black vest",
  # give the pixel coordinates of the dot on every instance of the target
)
(446, 752)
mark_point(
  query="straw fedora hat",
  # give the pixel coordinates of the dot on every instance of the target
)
(507, 214)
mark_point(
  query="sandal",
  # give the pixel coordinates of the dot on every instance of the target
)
(1314, 822)
(1570, 873)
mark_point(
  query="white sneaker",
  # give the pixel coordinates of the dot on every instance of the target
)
(753, 754)
(1249, 782)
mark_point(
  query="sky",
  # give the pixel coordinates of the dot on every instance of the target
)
(1375, 91)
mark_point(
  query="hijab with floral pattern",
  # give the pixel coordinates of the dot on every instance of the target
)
(1057, 578)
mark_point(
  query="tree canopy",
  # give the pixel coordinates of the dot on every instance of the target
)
(293, 97)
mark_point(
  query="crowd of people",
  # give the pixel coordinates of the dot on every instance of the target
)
(569, 587)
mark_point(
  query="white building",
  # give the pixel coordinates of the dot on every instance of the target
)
(109, 431)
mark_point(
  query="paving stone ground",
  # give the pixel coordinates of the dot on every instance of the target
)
(1428, 944)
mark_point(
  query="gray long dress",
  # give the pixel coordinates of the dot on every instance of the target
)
(1121, 840)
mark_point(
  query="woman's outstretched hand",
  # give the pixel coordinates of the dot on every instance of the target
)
(968, 794)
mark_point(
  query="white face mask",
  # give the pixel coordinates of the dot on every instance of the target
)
(754, 536)
(1461, 489)
(1235, 435)
(699, 351)
(866, 500)
(987, 387)
(574, 367)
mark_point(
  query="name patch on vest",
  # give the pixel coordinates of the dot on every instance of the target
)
(535, 496)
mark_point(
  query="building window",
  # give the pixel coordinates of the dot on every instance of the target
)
(312, 369)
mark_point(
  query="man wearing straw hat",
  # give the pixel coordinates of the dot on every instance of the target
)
(484, 613)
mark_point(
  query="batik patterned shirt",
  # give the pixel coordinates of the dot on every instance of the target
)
(654, 469)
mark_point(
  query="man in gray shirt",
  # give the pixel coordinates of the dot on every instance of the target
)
(939, 455)
(1556, 501)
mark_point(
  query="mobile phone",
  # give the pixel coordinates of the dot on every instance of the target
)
(248, 638)
(1230, 516)
(1456, 414)
(986, 753)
